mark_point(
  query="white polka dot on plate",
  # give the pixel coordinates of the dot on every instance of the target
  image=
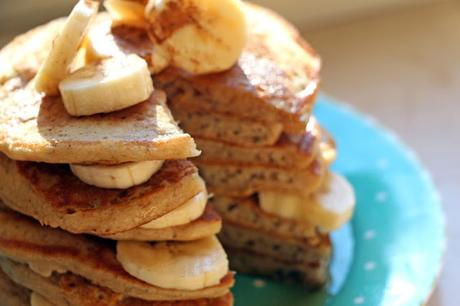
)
(359, 300)
(259, 283)
(370, 265)
(381, 197)
(382, 164)
(369, 235)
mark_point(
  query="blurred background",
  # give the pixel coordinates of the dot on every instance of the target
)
(397, 60)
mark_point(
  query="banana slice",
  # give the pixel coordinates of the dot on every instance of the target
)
(45, 270)
(38, 300)
(188, 212)
(199, 36)
(107, 86)
(175, 265)
(121, 176)
(65, 47)
(101, 43)
(127, 11)
(329, 209)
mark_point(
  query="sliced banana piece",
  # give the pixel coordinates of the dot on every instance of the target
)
(38, 300)
(199, 36)
(106, 86)
(65, 47)
(329, 209)
(101, 43)
(127, 11)
(175, 265)
(44, 269)
(188, 212)
(121, 176)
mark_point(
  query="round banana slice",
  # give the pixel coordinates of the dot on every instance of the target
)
(127, 11)
(65, 47)
(107, 86)
(38, 300)
(199, 36)
(121, 176)
(328, 209)
(188, 212)
(175, 265)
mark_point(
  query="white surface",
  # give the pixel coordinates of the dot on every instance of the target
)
(404, 69)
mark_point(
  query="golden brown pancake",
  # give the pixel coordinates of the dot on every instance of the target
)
(232, 130)
(287, 153)
(246, 212)
(54, 196)
(240, 180)
(275, 80)
(209, 224)
(37, 128)
(314, 275)
(26, 241)
(70, 289)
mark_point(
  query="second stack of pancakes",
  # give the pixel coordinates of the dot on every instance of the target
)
(265, 158)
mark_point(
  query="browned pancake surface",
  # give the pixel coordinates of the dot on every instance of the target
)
(55, 197)
(275, 79)
(25, 241)
(287, 153)
(210, 223)
(37, 128)
(70, 289)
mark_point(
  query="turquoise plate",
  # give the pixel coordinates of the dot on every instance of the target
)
(391, 252)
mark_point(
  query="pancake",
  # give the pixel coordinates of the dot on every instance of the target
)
(37, 128)
(72, 290)
(239, 180)
(12, 294)
(232, 130)
(26, 241)
(275, 80)
(209, 224)
(246, 212)
(22, 57)
(55, 197)
(279, 257)
(287, 153)
(297, 273)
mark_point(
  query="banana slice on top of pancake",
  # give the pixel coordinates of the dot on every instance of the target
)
(65, 47)
(175, 265)
(329, 209)
(127, 11)
(199, 36)
(106, 86)
(188, 212)
(120, 176)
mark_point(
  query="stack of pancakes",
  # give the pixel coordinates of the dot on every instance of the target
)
(265, 158)
(61, 239)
